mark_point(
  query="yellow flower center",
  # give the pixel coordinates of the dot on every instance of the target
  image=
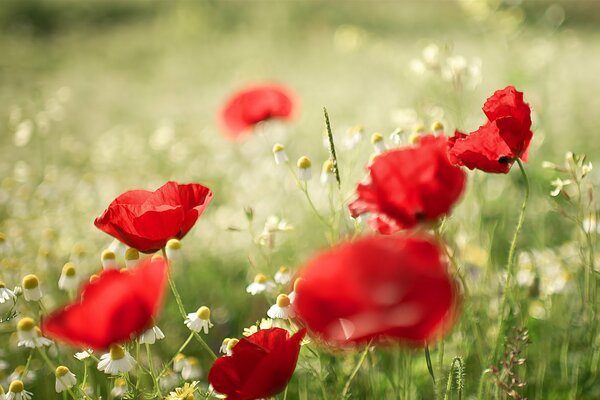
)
(376, 137)
(116, 352)
(260, 278)
(419, 128)
(283, 300)
(107, 255)
(2, 285)
(25, 324)
(193, 361)
(173, 244)
(283, 269)
(437, 126)
(61, 371)
(132, 254)
(30, 282)
(203, 313)
(328, 166)
(120, 382)
(231, 344)
(16, 386)
(69, 269)
(225, 342)
(179, 357)
(304, 162)
(277, 148)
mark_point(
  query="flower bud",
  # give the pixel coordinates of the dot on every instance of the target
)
(172, 249)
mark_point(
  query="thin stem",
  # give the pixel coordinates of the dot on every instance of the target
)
(152, 370)
(510, 261)
(53, 368)
(355, 371)
(183, 346)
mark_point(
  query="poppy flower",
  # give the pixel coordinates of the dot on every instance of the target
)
(146, 220)
(506, 136)
(111, 309)
(247, 107)
(260, 365)
(377, 288)
(409, 185)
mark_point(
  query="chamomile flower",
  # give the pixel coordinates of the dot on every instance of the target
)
(82, 355)
(31, 288)
(172, 249)
(292, 295)
(304, 168)
(132, 257)
(7, 297)
(353, 137)
(200, 320)
(116, 361)
(260, 284)
(65, 379)
(117, 247)
(186, 392)
(282, 308)
(396, 136)
(378, 143)
(191, 369)
(283, 276)
(69, 280)
(120, 388)
(168, 379)
(279, 154)
(328, 173)
(108, 259)
(223, 348)
(178, 362)
(152, 335)
(230, 345)
(16, 391)
(29, 334)
(437, 127)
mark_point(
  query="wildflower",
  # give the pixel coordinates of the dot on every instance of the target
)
(168, 379)
(117, 247)
(31, 288)
(191, 369)
(179, 362)
(407, 294)
(65, 379)
(559, 185)
(108, 259)
(252, 105)
(378, 143)
(186, 392)
(260, 366)
(499, 142)
(151, 335)
(230, 345)
(283, 276)
(132, 257)
(172, 249)
(259, 285)
(82, 355)
(409, 186)
(3, 244)
(590, 224)
(282, 308)
(117, 361)
(437, 128)
(30, 335)
(200, 320)
(16, 391)
(354, 136)
(146, 220)
(304, 168)
(112, 308)
(7, 297)
(328, 173)
(120, 388)
(68, 278)
(396, 136)
(223, 348)
(279, 154)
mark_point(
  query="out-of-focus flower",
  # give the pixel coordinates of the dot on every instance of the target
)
(29, 334)
(353, 137)
(150, 336)
(179, 362)
(328, 173)
(260, 284)
(31, 288)
(506, 136)
(191, 369)
(282, 308)
(223, 348)
(397, 136)
(559, 185)
(82, 355)
(377, 288)
(378, 143)
(108, 259)
(172, 249)
(186, 392)
(409, 186)
(260, 365)
(69, 280)
(7, 297)
(120, 388)
(200, 320)
(146, 220)
(590, 224)
(112, 308)
(254, 104)
(304, 168)
(168, 380)
(65, 379)
(132, 257)
(117, 361)
(279, 154)
(16, 391)
(283, 275)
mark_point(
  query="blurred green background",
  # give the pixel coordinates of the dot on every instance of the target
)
(102, 96)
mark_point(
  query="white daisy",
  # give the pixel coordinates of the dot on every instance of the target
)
(328, 173)
(378, 143)
(151, 335)
(168, 380)
(172, 249)
(223, 348)
(69, 280)
(200, 320)
(304, 168)
(260, 284)
(29, 334)
(132, 257)
(179, 362)
(230, 345)
(65, 379)
(31, 288)
(117, 361)
(292, 295)
(283, 276)
(7, 298)
(120, 388)
(108, 259)
(282, 308)
(191, 369)
(16, 391)
(82, 355)
(279, 154)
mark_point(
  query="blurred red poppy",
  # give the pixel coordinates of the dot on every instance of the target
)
(111, 309)
(146, 220)
(254, 104)
(409, 185)
(378, 288)
(499, 142)
(261, 365)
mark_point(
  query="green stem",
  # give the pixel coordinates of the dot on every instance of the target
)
(152, 370)
(183, 346)
(510, 262)
(53, 368)
(355, 371)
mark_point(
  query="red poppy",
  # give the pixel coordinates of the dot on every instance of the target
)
(409, 185)
(377, 288)
(254, 104)
(111, 309)
(146, 220)
(261, 365)
(499, 142)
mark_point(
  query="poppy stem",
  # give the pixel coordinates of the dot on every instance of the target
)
(361, 360)
(510, 263)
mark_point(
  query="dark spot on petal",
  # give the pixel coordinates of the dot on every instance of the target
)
(504, 160)
(420, 216)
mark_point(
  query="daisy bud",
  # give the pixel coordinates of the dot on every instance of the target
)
(16, 391)
(132, 256)
(120, 388)
(172, 248)
(200, 320)
(7, 298)
(65, 379)
(223, 348)
(117, 361)
(279, 154)
(68, 278)
(178, 362)
(328, 173)
(283, 276)
(31, 288)
(230, 345)
(191, 369)
(437, 127)
(396, 136)
(282, 308)
(378, 143)
(108, 259)
(151, 335)
(304, 170)
(259, 285)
